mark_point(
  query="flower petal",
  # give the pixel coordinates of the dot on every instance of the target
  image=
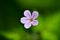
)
(24, 20)
(34, 14)
(27, 13)
(27, 25)
(34, 22)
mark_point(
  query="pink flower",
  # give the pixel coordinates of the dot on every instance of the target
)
(29, 19)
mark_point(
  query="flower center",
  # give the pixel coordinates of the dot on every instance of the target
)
(31, 19)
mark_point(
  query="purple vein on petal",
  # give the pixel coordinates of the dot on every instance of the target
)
(34, 14)
(34, 22)
(24, 20)
(27, 13)
(27, 25)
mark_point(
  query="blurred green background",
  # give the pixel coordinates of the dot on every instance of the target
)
(49, 20)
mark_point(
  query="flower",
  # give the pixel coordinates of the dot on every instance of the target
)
(29, 19)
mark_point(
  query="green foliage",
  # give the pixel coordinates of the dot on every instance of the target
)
(49, 20)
